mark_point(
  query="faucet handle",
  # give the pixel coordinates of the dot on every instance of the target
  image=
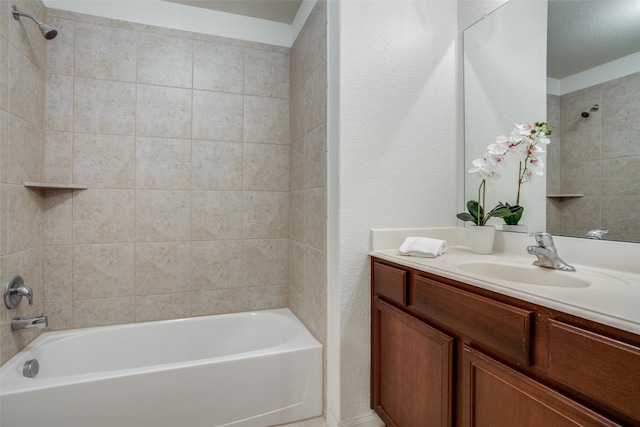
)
(14, 290)
(544, 240)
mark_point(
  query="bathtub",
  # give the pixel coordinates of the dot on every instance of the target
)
(252, 369)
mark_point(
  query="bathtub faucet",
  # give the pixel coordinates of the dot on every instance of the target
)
(39, 322)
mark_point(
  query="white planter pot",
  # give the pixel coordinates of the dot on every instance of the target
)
(481, 239)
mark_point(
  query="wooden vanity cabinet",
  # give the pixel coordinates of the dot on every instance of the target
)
(445, 353)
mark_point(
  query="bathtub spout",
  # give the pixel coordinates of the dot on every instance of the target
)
(39, 322)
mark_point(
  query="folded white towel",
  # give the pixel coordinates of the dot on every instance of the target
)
(423, 247)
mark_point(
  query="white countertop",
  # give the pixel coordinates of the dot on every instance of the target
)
(612, 296)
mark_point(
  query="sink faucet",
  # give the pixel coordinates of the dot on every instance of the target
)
(547, 254)
(596, 234)
(39, 322)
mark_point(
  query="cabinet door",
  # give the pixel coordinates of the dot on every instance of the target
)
(496, 395)
(411, 370)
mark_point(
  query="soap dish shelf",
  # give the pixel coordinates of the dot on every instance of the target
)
(54, 186)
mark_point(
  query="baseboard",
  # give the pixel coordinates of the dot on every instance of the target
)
(370, 420)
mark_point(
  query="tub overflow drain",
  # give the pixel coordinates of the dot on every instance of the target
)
(30, 368)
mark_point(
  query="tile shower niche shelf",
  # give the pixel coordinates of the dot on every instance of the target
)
(55, 186)
(564, 196)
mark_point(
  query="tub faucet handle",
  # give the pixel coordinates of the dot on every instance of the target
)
(14, 290)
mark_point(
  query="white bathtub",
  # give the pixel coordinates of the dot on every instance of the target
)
(247, 369)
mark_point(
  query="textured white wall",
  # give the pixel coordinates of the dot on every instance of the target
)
(392, 159)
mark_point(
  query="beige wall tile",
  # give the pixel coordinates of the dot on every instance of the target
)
(162, 215)
(266, 73)
(59, 103)
(315, 228)
(218, 67)
(3, 222)
(264, 298)
(265, 167)
(26, 152)
(58, 217)
(103, 271)
(161, 307)
(163, 111)
(573, 104)
(4, 72)
(58, 157)
(619, 138)
(216, 215)
(625, 219)
(59, 314)
(315, 278)
(581, 144)
(163, 163)
(104, 52)
(582, 214)
(217, 116)
(297, 167)
(4, 146)
(60, 51)
(265, 262)
(620, 101)
(164, 60)
(216, 265)
(25, 218)
(162, 268)
(265, 215)
(315, 158)
(583, 177)
(102, 106)
(58, 273)
(103, 216)
(266, 120)
(296, 266)
(104, 161)
(298, 210)
(222, 301)
(619, 176)
(4, 18)
(217, 165)
(102, 312)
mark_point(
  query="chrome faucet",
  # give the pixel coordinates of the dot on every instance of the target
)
(547, 254)
(596, 234)
(39, 322)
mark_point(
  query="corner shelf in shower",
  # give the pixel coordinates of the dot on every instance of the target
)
(564, 196)
(54, 186)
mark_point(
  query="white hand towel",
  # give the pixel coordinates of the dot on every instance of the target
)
(423, 247)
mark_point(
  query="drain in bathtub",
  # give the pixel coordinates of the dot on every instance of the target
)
(31, 368)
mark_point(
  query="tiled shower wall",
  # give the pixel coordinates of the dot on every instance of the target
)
(308, 257)
(183, 142)
(599, 157)
(22, 92)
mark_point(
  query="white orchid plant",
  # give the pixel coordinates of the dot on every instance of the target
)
(528, 140)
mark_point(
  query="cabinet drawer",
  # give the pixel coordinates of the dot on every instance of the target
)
(493, 325)
(390, 282)
(597, 366)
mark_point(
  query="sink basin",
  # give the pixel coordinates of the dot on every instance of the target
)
(529, 274)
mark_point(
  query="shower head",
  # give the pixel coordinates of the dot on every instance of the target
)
(587, 113)
(47, 31)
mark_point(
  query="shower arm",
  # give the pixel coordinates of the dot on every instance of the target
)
(47, 31)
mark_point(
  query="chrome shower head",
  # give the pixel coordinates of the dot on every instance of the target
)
(47, 31)
(587, 113)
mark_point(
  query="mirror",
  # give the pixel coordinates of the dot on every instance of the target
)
(586, 84)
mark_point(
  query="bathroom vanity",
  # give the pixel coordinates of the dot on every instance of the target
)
(445, 351)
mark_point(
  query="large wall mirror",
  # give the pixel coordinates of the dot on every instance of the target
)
(575, 64)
